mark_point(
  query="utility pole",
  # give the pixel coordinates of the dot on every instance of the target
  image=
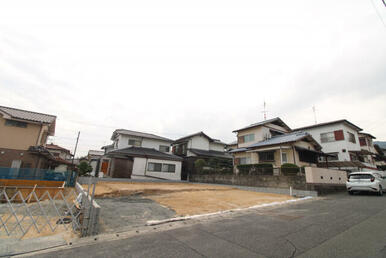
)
(73, 157)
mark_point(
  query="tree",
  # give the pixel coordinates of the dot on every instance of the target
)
(84, 168)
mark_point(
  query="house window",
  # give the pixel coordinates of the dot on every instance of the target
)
(333, 157)
(164, 148)
(284, 157)
(154, 167)
(15, 123)
(135, 142)
(245, 160)
(159, 167)
(351, 137)
(362, 141)
(171, 168)
(327, 137)
(249, 138)
(266, 156)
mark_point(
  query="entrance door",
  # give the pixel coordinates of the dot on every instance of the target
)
(105, 166)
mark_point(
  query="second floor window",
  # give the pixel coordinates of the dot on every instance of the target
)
(246, 138)
(362, 141)
(15, 123)
(327, 137)
(351, 137)
(135, 142)
(164, 148)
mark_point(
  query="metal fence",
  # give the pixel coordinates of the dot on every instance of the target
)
(23, 216)
(38, 174)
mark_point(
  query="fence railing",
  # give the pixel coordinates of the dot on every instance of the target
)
(38, 174)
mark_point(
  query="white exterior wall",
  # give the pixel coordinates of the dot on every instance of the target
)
(139, 166)
(61, 168)
(216, 146)
(123, 142)
(325, 176)
(199, 142)
(166, 175)
(336, 146)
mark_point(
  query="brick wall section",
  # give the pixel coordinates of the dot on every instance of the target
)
(297, 182)
(8, 155)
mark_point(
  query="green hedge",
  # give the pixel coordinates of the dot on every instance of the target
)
(259, 168)
(289, 169)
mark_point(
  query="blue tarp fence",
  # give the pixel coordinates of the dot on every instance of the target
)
(38, 174)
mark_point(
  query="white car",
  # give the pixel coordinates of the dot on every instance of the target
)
(366, 182)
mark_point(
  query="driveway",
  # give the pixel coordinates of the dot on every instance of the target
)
(336, 226)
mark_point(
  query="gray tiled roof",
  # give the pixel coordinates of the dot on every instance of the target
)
(200, 134)
(140, 134)
(276, 119)
(27, 115)
(285, 138)
(144, 152)
(330, 123)
(211, 153)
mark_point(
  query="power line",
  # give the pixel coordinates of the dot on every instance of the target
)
(379, 15)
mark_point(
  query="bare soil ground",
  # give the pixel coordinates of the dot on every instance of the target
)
(189, 199)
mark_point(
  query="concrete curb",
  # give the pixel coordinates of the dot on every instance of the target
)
(158, 222)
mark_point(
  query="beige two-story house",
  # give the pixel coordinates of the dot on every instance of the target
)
(23, 136)
(272, 141)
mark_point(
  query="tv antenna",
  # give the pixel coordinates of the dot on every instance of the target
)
(265, 111)
(314, 110)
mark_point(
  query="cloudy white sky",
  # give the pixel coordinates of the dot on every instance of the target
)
(178, 67)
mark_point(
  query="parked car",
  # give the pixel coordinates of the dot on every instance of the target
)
(366, 182)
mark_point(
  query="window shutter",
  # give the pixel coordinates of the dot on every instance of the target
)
(362, 141)
(241, 139)
(339, 135)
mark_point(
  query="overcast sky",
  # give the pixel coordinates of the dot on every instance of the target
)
(177, 67)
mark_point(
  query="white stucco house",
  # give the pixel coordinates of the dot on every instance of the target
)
(140, 154)
(198, 146)
(340, 139)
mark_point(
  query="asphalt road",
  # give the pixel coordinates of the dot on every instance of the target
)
(337, 226)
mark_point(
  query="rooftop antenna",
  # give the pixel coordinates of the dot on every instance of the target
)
(314, 110)
(265, 111)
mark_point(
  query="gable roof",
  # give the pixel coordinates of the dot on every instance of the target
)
(211, 153)
(345, 121)
(286, 138)
(144, 152)
(273, 120)
(199, 134)
(29, 116)
(367, 134)
(52, 146)
(139, 134)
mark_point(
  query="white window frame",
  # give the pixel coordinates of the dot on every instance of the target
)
(284, 160)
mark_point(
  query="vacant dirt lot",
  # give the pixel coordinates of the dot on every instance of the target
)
(189, 199)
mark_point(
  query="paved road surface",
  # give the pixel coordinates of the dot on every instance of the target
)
(338, 226)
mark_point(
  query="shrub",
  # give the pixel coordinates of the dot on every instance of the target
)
(289, 169)
(244, 169)
(199, 165)
(84, 168)
(259, 168)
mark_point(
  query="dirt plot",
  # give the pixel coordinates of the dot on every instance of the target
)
(187, 198)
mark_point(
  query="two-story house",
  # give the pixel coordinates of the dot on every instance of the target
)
(272, 141)
(339, 139)
(368, 152)
(63, 155)
(140, 154)
(23, 137)
(198, 146)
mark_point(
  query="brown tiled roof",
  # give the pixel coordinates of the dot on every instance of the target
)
(28, 115)
(52, 146)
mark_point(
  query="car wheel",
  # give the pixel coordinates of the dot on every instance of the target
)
(350, 192)
(380, 192)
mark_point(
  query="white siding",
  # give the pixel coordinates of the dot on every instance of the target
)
(123, 142)
(336, 146)
(216, 146)
(166, 175)
(139, 166)
(199, 142)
